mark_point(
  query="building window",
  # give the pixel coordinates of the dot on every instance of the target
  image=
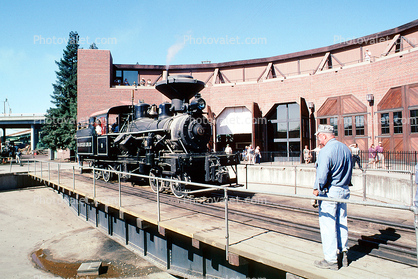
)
(286, 129)
(294, 129)
(384, 122)
(323, 121)
(333, 121)
(348, 126)
(360, 125)
(397, 122)
(414, 121)
(131, 77)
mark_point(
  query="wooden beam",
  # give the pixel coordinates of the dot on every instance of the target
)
(267, 71)
(195, 243)
(224, 76)
(207, 80)
(323, 61)
(280, 72)
(390, 45)
(215, 75)
(408, 41)
(141, 224)
(339, 62)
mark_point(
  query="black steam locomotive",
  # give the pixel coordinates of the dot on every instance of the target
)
(169, 142)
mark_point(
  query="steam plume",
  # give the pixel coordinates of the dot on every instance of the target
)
(172, 51)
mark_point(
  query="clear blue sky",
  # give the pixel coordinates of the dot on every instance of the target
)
(34, 33)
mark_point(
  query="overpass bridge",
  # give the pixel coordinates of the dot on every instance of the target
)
(23, 121)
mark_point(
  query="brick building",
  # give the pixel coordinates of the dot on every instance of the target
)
(367, 88)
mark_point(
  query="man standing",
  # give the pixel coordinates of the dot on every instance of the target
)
(333, 177)
(355, 151)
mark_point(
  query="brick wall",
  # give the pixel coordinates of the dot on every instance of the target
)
(95, 92)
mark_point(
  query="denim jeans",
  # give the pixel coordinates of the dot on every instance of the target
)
(333, 223)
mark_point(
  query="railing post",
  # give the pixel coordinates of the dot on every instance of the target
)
(94, 183)
(226, 224)
(412, 188)
(158, 203)
(73, 179)
(59, 174)
(364, 185)
(34, 162)
(49, 171)
(416, 228)
(295, 180)
(120, 192)
(246, 176)
(41, 169)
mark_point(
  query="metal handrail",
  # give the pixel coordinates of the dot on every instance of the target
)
(225, 189)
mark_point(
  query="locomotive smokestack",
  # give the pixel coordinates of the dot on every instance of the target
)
(179, 89)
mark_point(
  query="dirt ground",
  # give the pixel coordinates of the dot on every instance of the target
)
(40, 237)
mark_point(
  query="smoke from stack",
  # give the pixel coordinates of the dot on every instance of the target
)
(172, 51)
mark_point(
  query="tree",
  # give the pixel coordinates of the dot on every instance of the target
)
(60, 124)
(93, 46)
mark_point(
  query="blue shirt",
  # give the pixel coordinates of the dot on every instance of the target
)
(334, 166)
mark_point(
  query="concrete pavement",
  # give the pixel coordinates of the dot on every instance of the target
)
(37, 218)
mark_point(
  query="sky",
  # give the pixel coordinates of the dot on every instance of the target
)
(33, 34)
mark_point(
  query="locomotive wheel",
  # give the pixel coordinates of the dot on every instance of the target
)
(155, 184)
(97, 174)
(177, 188)
(107, 175)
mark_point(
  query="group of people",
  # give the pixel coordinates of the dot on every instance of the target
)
(142, 82)
(376, 155)
(10, 150)
(251, 155)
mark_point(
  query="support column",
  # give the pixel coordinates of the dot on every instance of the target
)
(33, 136)
(3, 138)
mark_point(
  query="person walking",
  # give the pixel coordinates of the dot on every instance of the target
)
(333, 178)
(380, 156)
(372, 156)
(355, 151)
(257, 154)
(307, 156)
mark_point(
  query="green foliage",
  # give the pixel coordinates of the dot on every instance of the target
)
(60, 125)
(93, 46)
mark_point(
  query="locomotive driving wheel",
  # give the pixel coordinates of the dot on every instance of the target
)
(97, 173)
(178, 188)
(154, 183)
(107, 175)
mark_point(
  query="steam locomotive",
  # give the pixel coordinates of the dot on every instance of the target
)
(167, 142)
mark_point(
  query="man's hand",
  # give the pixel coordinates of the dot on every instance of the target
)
(316, 192)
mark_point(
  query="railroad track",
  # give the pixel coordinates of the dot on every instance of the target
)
(380, 238)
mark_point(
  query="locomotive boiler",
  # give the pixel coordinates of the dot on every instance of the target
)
(169, 141)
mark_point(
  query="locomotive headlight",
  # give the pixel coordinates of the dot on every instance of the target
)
(201, 104)
(197, 104)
